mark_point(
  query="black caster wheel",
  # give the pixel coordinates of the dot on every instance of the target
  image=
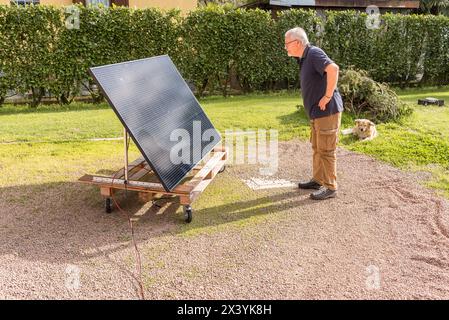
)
(108, 205)
(222, 169)
(188, 214)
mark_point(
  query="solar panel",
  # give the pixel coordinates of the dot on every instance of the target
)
(161, 114)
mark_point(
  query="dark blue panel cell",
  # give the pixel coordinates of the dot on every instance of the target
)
(161, 114)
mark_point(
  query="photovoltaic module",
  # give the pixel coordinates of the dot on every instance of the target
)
(160, 113)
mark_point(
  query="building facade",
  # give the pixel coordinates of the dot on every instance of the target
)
(404, 6)
(184, 5)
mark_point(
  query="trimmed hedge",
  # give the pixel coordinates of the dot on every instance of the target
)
(211, 46)
(27, 48)
(38, 53)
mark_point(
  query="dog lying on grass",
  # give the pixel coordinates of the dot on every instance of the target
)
(364, 129)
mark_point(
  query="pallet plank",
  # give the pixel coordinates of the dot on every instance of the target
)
(201, 186)
(139, 174)
(131, 167)
(206, 170)
(202, 176)
(132, 185)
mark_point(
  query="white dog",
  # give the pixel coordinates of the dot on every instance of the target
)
(364, 129)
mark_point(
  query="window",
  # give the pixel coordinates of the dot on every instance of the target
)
(24, 2)
(105, 3)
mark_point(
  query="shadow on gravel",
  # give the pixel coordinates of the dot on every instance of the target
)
(66, 222)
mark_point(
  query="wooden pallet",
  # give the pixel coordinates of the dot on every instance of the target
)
(187, 191)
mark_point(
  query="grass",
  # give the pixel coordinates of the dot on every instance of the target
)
(419, 142)
(53, 123)
(34, 143)
(86, 121)
(228, 202)
(48, 148)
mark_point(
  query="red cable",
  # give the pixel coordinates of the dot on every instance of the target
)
(138, 278)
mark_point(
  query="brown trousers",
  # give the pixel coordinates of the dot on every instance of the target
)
(324, 139)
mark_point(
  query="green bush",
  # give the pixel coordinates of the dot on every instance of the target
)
(211, 46)
(364, 97)
(208, 41)
(38, 53)
(254, 53)
(27, 41)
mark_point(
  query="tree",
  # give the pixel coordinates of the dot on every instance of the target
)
(434, 6)
(202, 3)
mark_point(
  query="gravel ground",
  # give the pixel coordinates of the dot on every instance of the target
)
(383, 237)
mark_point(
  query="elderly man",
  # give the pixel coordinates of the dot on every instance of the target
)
(323, 104)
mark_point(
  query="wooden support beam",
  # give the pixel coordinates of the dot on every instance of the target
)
(106, 192)
(203, 174)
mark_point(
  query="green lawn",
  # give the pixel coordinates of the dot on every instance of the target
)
(36, 141)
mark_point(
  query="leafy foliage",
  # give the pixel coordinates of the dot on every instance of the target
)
(364, 96)
(212, 46)
(434, 6)
(39, 53)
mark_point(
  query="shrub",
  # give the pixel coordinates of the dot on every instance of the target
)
(364, 97)
(211, 46)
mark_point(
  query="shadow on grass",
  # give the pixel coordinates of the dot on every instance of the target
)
(299, 117)
(348, 140)
(240, 211)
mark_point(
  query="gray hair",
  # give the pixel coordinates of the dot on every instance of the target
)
(298, 34)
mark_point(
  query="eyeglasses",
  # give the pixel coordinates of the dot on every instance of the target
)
(287, 43)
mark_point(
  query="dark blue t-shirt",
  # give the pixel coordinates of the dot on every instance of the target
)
(313, 83)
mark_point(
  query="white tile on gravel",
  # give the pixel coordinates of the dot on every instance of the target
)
(260, 183)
